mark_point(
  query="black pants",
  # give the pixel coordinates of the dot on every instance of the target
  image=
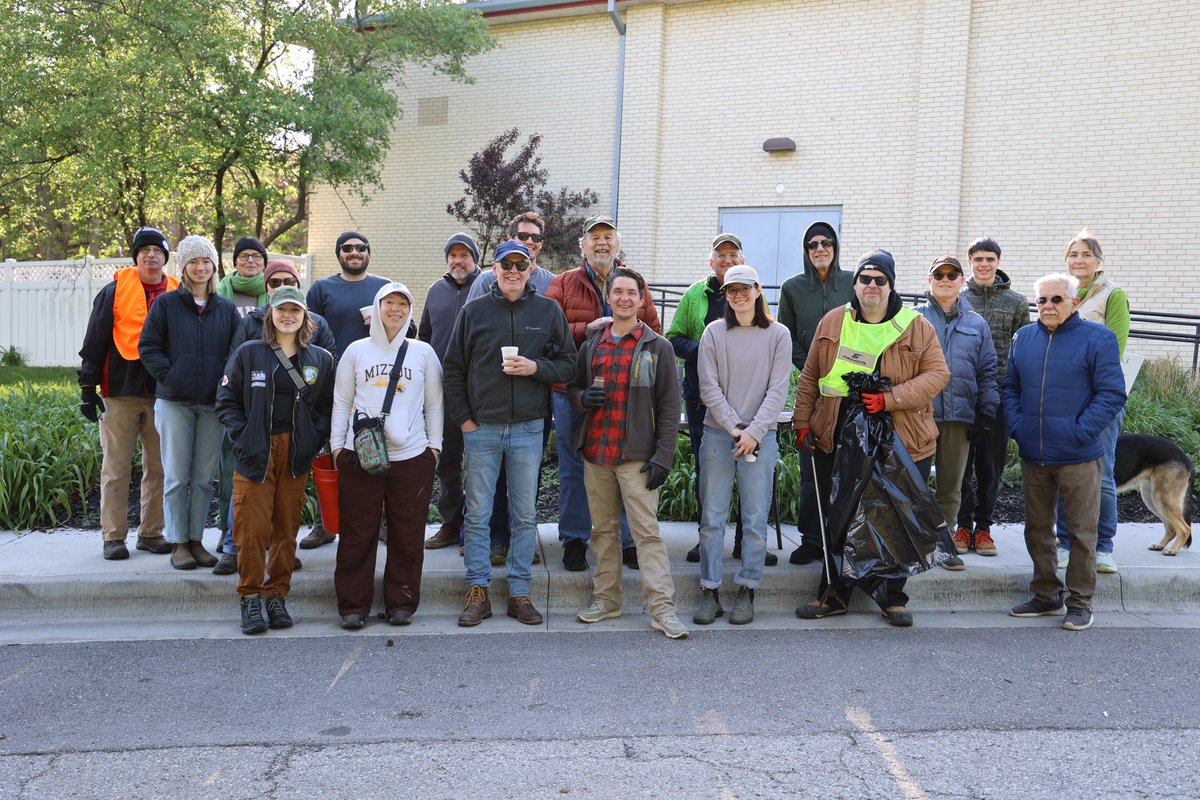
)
(986, 460)
(842, 587)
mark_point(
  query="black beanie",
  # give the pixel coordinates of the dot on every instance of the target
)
(820, 227)
(466, 241)
(341, 240)
(147, 237)
(250, 243)
(880, 260)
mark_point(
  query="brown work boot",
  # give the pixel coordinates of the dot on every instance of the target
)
(181, 557)
(154, 544)
(202, 556)
(446, 536)
(478, 607)
(316, 537)
(521, 609)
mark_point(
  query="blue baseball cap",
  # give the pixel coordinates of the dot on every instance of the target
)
(510, 246)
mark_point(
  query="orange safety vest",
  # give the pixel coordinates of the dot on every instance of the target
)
(129, 311)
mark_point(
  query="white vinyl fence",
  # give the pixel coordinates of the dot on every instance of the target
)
(45, 305)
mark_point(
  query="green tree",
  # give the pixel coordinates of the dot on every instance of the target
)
(216, 116)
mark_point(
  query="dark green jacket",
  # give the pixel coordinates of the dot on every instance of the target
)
(803, 299)
(1004, 310)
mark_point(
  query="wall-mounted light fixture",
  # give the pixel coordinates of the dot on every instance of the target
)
(779, 144)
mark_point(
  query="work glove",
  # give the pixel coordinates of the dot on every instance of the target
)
(593, 397)
(806, 439)
(981, 429)
(658, 475)
(874, 402)
(90, 404)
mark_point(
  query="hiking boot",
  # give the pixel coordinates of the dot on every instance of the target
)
(709, 608)
(499, 555)
(277, 613)
(227, 565)
(115, 550)
(962, 540)
(537, 557)
(296, 565)
(182, 558)
(521, 609)
(1064, 557)
(252, 615)
(478, 607)
(399, 617)
(629, 557)
(671, 627)
(1077, 619)
(446, 536)
(353, 622)
(693, 555)
(897, 616)
(806, 553)
(154, 544)
(316, 537)
(575, 555)
(597, 612)
(985, 545)
(954, 564)
(1037, 608)
(203, 557)
(1105, 564)
(743, 607)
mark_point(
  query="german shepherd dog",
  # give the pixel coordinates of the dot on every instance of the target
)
(1164, 474)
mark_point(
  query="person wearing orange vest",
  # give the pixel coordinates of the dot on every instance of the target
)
(111, 369)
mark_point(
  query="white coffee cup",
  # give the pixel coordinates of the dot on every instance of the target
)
(508, 352)
(366, 313)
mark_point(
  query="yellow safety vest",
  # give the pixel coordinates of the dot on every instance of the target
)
(859, 347)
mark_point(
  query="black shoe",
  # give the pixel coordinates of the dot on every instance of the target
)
(252, 615)
(770, 559)
(227, 565)
(115, 550)
(901, 617)
(297, 566)
(629, 557)
(806, 553)
(277, 614)
(399, 617)
(693, 555)
(575, 555)
(353, 622)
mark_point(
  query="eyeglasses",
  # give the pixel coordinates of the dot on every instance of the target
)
(738, 290)
(945, 276)
(819, 243)
(275, 283)
(249, 257)
(354, 248)
(151, 250)
(519, 266)
(526, 237)
(1058, 298)
(878, 280)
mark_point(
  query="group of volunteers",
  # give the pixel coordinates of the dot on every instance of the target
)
(245, 381)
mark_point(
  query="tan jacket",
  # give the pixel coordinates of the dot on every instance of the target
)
(914, 363)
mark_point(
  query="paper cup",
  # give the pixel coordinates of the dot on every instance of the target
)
(366, 314)
(750, 458)
(508, 352)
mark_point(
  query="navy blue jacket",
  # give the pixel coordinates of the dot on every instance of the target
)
(250, 329)
(1063, 389)
(184, 348)
(966, 342)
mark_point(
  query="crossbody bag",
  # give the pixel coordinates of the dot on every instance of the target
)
(370, 445)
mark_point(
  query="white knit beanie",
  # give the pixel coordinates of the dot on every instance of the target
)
(194, 247)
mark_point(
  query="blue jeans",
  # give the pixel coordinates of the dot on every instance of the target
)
(519, 447)
(574, 520)
(189, 436)
(754, 481)
(1106, 528)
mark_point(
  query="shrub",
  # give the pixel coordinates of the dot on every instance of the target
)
(12, 357)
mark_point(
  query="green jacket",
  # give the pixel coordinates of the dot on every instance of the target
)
(1004, 310)
(687, 326)
(803, 300)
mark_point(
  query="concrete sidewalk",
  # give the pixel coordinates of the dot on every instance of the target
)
(56, 587)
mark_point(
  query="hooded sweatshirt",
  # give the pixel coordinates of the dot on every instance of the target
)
(415, 420)
(804, 299)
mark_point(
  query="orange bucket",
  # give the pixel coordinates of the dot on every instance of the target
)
(326, 479)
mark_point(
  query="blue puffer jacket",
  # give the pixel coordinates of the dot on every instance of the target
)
(1063, 389)
(966, 342)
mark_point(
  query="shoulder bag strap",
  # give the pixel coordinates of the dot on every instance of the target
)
(291, 369)
(391, 390)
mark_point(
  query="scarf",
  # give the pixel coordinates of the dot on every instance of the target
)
(236, 282)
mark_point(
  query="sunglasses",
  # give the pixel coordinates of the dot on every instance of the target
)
(519, 266)
(534, 237)
(818, 243)
(945, 276)
(878, 280)
(354, 248)
(1055, 300)
(275, 283)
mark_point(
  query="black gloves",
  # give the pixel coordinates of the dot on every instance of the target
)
(658, 475)
(593, 397)
(981, 429)
(90, 404)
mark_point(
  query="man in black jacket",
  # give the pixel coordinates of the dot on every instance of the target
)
(507, 348)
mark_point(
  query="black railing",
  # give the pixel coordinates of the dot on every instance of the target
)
(1153, 326)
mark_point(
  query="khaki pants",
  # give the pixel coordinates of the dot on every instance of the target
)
(268, 515)
(1079, 485)
(123, 421)
(950, 460)
(606, 488)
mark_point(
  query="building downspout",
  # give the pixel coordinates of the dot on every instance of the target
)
(616, 169)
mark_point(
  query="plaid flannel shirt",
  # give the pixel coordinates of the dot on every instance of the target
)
(612, 360)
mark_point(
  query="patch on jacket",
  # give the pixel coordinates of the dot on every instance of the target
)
(310, 375)
(856, 357)
(258, 379)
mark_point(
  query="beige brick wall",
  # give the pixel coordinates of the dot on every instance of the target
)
(928, 122)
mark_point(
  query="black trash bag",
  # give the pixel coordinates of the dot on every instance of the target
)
(883, 518)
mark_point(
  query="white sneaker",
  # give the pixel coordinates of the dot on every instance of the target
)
(1064, 555)
(670, 626)
(1105, 563)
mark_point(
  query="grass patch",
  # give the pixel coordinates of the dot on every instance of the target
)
(11, 376)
